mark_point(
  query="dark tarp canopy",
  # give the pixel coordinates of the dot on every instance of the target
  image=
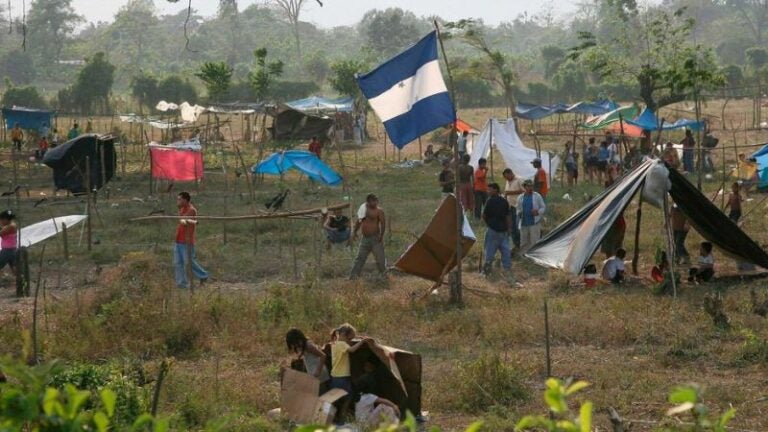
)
(69, 162)
(572, 244)
(292, 124)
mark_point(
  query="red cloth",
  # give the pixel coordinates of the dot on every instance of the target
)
(315, 147)
(183, 229)
(481, 179)
(176, 165)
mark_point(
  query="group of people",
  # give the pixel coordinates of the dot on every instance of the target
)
(370, 409)
(45, 137)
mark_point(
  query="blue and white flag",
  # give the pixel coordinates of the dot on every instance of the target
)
(408, 92)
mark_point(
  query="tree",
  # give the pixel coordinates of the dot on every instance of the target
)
(292, 10)
(50, 24)
(18, 66)
(94, 84)
(174, 88)
(217, 77)
(495, 67)
(757, 57)
(144, 90)
(27, 96)
(650, 48)
(553, 56)
(317, 67)
(265, 73)
(343, 75)
(134, 25)
(753, 14)
(388, 31)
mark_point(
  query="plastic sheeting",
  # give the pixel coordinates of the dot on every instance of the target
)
(27, 118)
(321, 104)
(303, 161)
(607, 119)
(657, 185)
(647, 120)
(35, 233)
(179, 161)
(517, 156)
(69, 162)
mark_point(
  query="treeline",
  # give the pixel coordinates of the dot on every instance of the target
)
(535, 57)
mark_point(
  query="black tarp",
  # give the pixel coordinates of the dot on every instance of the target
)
(68, 161)
(291, 124)
(571, 245)
(713, 224)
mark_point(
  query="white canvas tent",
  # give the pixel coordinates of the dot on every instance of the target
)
(516, 155)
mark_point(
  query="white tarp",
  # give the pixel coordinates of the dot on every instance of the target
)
(40, 231)
(190, 113)
(192, 144)
(166, 106)
(516, 156)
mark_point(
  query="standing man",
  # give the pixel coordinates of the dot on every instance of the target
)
(512, 191)
(315, 147)
(496, 239)
(540, 184)
(465, 190)
(689, 148)
(184, 252)
(680, 230)
(481, 186)
(373, 225)
(462, 144)
(74, 132)
(446, 179)
(17, 136)
(530, 208)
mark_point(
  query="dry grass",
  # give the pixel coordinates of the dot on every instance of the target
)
(118, 302)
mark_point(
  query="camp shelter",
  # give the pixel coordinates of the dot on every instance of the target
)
(303, 161)
(571, 245)
(648, 121)
(32, 234)
(69, 162)
(291, 124)
(609, 118)
(433, 255)
(528, 111)
(178, 161)
(28, 118)
(319, 104)
(516, 155)
(761, 158)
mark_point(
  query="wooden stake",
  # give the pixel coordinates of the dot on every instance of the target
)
(636, 256)
(89, 201)
(546, 339)
(65, 240)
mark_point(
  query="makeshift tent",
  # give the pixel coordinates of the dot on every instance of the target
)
(537, 112)
(292, 124)
(761, 157)
(571, 245)
(27, 118)
(434, 253)
(37, 232)
(462, 126)
(609, 118)
(69, 162)
(303, 161)
(647, 120)
(599, 107)
(628, 129)
(319, 104)
(179, 161)
(516, 156)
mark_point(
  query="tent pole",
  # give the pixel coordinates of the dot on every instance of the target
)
(89, 198)
(670, 252)
(636, 255)
(421, 152)
(385, 146)
(490, 146)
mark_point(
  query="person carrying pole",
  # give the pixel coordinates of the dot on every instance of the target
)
(184, 249)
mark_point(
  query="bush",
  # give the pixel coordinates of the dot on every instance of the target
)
(487, 382)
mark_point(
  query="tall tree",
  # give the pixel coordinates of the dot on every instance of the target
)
(343, 77)
(389, 31)
(264, 74)
(174, 88)
(93, 85)
(758, 59)
(50, 25)
(144, 91)
(217, 77)
(753, 14)
(292, 10)
(134, 26)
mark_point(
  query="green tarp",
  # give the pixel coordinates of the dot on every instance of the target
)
(626, 112)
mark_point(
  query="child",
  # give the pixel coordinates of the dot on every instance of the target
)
(42, 147)
(371, 411)
(341, 348)
(706, 269)
(312, 356)
(613, 268)
(734, 202)
(8, 239)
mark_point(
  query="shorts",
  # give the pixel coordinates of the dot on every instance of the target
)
(7, 256)
(344, 383)
(602, 165)
(591, 162)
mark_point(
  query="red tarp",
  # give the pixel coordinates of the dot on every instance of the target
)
(629, 130)
(463, 126)
(175, 164)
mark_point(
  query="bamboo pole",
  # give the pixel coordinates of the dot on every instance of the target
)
(636, 255)
(89, 201)
(280, 215)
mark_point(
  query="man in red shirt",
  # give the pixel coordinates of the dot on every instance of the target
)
(184, 250)
(315, 147)
(540, 184)
(481, 186)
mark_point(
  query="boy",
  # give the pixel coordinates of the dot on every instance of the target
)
(734, 202)
(613, 268)
(706, 269)
(336, 228)
(540, 185)
(481, 186)
(446, 179)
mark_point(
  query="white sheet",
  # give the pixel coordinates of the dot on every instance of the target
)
(516, 155)
(35, 233)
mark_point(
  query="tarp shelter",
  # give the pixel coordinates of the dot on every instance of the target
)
(609, 118)
(571, 245)
(761, 157)
(27, 118)
(647, 120)
(69, 162)
(462, 126)
(516, 155)
(292, 124)
(179, 161)
(434, 253)
(303, 161)
(536, 112)
(319, 104)
(37, 232)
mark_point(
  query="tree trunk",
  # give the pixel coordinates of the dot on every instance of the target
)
(297, 39)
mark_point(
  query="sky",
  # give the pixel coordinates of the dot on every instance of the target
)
(346, 12)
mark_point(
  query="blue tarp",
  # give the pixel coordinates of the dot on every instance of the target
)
(302, 161)
(27, 118)
(536, 112)
(647, 120)
(761, 157)
(318, 103)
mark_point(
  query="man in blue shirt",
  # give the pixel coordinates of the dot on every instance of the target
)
(496, 218)
(530, 208)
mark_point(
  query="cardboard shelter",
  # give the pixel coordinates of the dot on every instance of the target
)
(397, 375)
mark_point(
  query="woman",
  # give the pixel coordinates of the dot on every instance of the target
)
(9, 239)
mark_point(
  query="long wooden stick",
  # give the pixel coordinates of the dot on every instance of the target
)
(280, 215)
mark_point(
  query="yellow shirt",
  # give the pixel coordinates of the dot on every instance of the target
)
(340, 360)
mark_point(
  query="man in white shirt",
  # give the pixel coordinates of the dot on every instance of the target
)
(530, 209)
(512, 190)
(613, 267)
(462, 143)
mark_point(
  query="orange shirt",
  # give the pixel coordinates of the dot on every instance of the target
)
(541, 176)
(182, 230)
(481, 179)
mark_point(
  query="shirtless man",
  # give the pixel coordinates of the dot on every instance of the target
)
(373, 225)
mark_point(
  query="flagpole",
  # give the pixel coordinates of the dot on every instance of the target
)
(456, 289)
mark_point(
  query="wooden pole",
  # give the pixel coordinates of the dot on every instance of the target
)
(546, 339)
(249, 180)
(490, 146)
(421, 152)
(636, 255)
(65, 240)
(102, 161)
(188, 267)
(89, 202)
(670, 248)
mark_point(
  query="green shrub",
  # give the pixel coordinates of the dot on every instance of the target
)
(486, 382)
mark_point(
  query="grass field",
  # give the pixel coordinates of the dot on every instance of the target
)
(117, 305)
